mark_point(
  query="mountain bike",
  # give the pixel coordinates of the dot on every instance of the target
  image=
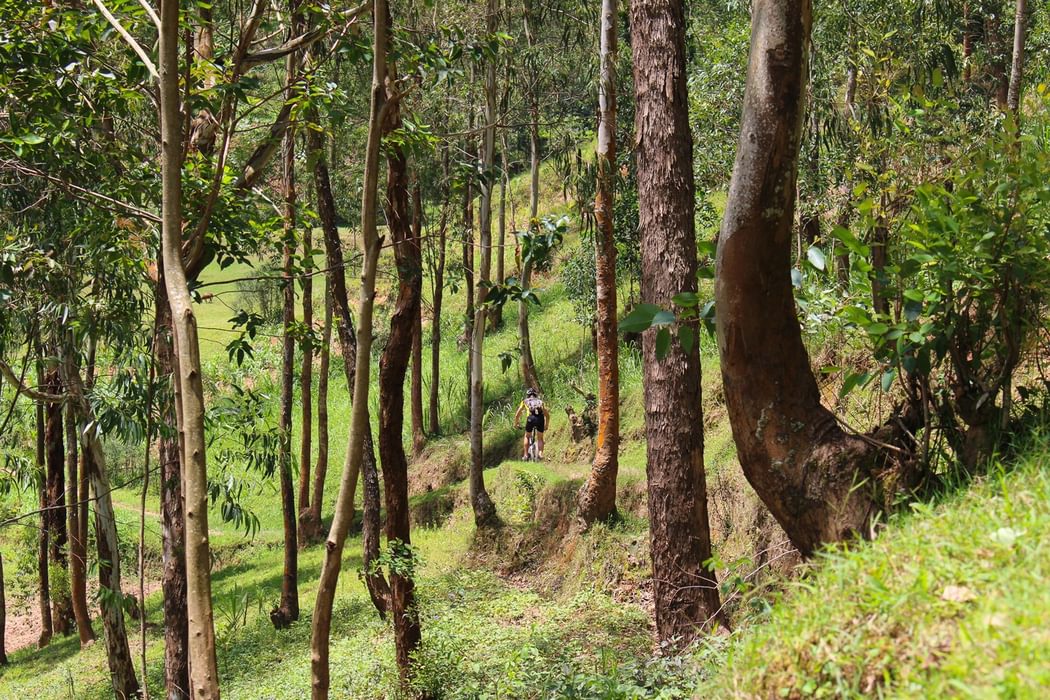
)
(533, 453)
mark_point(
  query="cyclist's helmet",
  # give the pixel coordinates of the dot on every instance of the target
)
(530, 392)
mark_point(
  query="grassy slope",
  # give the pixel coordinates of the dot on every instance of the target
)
(258, 662)
(515, 636)
(950, 602)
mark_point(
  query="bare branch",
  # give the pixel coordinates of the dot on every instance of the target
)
(135, 46)
(151, 12)
(21, 388)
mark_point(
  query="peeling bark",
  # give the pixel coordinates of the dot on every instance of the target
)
(597, 500)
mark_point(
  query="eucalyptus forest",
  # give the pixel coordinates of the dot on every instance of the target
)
(524, 349)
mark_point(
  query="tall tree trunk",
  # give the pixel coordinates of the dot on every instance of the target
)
(496, 312)
(967, 42)
(118, 651)
(419, 438)
(189, 389)
(306, 390)
(993, 26)
(77, 546)
(820, 483)
(597, 498)
(392, 368)
(62, 619)
(468, 257)
(439, 293)
(528, 365)
(684, 590)
(287, 611)
(3, 615)
(484, 509)
(44, 595)
(359, 428)
(341, 307)
(310, 521)
(173, 534)
(1013, 99)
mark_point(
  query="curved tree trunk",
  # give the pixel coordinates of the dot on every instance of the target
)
(189, 389)
(392, 369)
(173, 536)
(817, 480)
(359, 428)
(77, 547)
(598, 495)
(685, 591)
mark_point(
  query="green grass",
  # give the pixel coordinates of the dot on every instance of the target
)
(951, 601)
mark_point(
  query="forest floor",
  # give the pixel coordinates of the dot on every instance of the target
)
(533, 610)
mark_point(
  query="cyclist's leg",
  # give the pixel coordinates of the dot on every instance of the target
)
(539, 444)
(525, 446)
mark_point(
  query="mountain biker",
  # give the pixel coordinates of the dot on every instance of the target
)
(538, 418)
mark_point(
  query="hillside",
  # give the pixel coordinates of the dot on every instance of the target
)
(538, 611)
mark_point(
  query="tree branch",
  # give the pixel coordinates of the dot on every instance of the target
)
(24, 169)
(21, 388)
(135, 46)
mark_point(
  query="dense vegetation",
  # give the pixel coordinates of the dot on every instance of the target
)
(274, 278)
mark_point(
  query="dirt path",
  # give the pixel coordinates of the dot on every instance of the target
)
(23, 617)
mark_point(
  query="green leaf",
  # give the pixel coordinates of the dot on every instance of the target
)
(686, 299)
(852, 243)
(686, 338)
(853, 381)
(877, 328)
(816, 258)
(887, 379)
(663, 343)
(663, 318)
(640, 319)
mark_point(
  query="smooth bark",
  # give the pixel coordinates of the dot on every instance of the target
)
(597, 499)
(173, 533)
(819, 482)
(685, 592)
(77, 546)
(344, 511)
(204, 677)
